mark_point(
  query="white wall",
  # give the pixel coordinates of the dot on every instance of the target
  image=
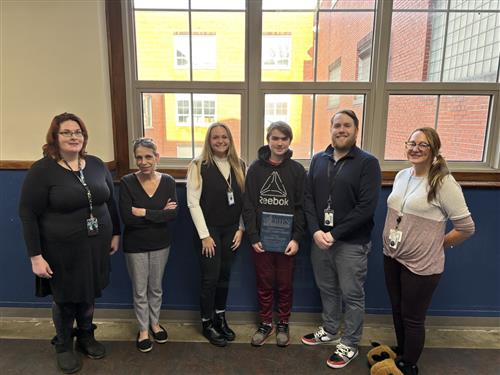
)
(53, 57)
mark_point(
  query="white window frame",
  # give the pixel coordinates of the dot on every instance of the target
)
(147, 108)
(376, 92)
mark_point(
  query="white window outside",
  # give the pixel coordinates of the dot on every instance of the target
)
(276, 51)
(203, 109)
(277, 108)
(204, 49)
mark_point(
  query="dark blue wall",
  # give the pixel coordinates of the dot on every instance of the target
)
(470, 285)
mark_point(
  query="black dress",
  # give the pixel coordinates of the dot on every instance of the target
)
(53, 210)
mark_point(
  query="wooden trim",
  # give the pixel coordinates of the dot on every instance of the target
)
(26, 164)
(465, 179)
(117, 85)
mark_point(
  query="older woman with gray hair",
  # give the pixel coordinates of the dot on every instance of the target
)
(148, 203)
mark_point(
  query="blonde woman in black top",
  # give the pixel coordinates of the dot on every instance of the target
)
(148, 202)
(214, 193)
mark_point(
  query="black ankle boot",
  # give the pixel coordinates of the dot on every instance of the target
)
(212, 335)
(220, 324)
(67, 360)
(406, 368)
(87, 344)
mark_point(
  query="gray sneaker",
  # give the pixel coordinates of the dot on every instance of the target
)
(320, 337)
(262, 334)
(282, 334)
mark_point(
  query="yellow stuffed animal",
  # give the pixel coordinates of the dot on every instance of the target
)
(385, 367)
(379, 353)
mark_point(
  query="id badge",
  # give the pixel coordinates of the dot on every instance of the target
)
(328, 217)
(92, 226)
(230, 198)
(395, 237)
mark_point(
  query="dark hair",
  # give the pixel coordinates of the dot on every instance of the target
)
(51, 148)
(349, 113)
(439, 167)
(145, 142)
(282, 126)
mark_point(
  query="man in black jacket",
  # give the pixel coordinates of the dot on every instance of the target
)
(341, 195)
(274, 188)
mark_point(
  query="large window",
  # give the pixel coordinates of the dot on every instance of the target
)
(248, 63)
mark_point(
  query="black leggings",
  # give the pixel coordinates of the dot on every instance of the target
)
(64, 315)
(216, 271)
(410, 296)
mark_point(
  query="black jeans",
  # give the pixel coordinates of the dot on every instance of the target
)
(64, 315)
(216, 271)
(410, 296)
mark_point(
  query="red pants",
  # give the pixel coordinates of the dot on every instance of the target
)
(274, 269)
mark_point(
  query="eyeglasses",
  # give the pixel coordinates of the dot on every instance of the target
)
(420, 146)
(69, 133)
(143, 141)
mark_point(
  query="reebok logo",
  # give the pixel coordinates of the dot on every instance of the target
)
(273, 191)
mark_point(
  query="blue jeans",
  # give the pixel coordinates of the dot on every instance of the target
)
(340, 274)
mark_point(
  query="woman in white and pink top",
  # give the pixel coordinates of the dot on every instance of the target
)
(423, 198)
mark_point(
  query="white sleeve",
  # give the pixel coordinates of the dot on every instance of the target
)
(451, 199)
(193, 192)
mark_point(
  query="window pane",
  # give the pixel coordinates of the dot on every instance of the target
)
(218, 4)
(406, 113)
(287, 46)
(480, 56)
(287, 4)
(225, 108)
(472, 46)
(475, 4)
(462, 125)
(218, 46)
(162, 45)
(339, 39)
(324, 113)
(172, 114)
(419, 4)
(410, 35)
(161, 4)
(347, 4)
(295, 110)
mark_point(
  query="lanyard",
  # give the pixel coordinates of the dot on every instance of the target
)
(228, 181)
(81, 178)
(332, 181)
(405, 198)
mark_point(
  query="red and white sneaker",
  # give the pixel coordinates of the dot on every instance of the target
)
(342, 356)
(320, 337)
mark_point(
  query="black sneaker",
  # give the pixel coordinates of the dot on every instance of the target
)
(161, 336)
(145, 345)
(282, 334)
(262, 334)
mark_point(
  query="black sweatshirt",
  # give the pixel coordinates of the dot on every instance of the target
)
(355, 194)
(149, 232)
(274, 188)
